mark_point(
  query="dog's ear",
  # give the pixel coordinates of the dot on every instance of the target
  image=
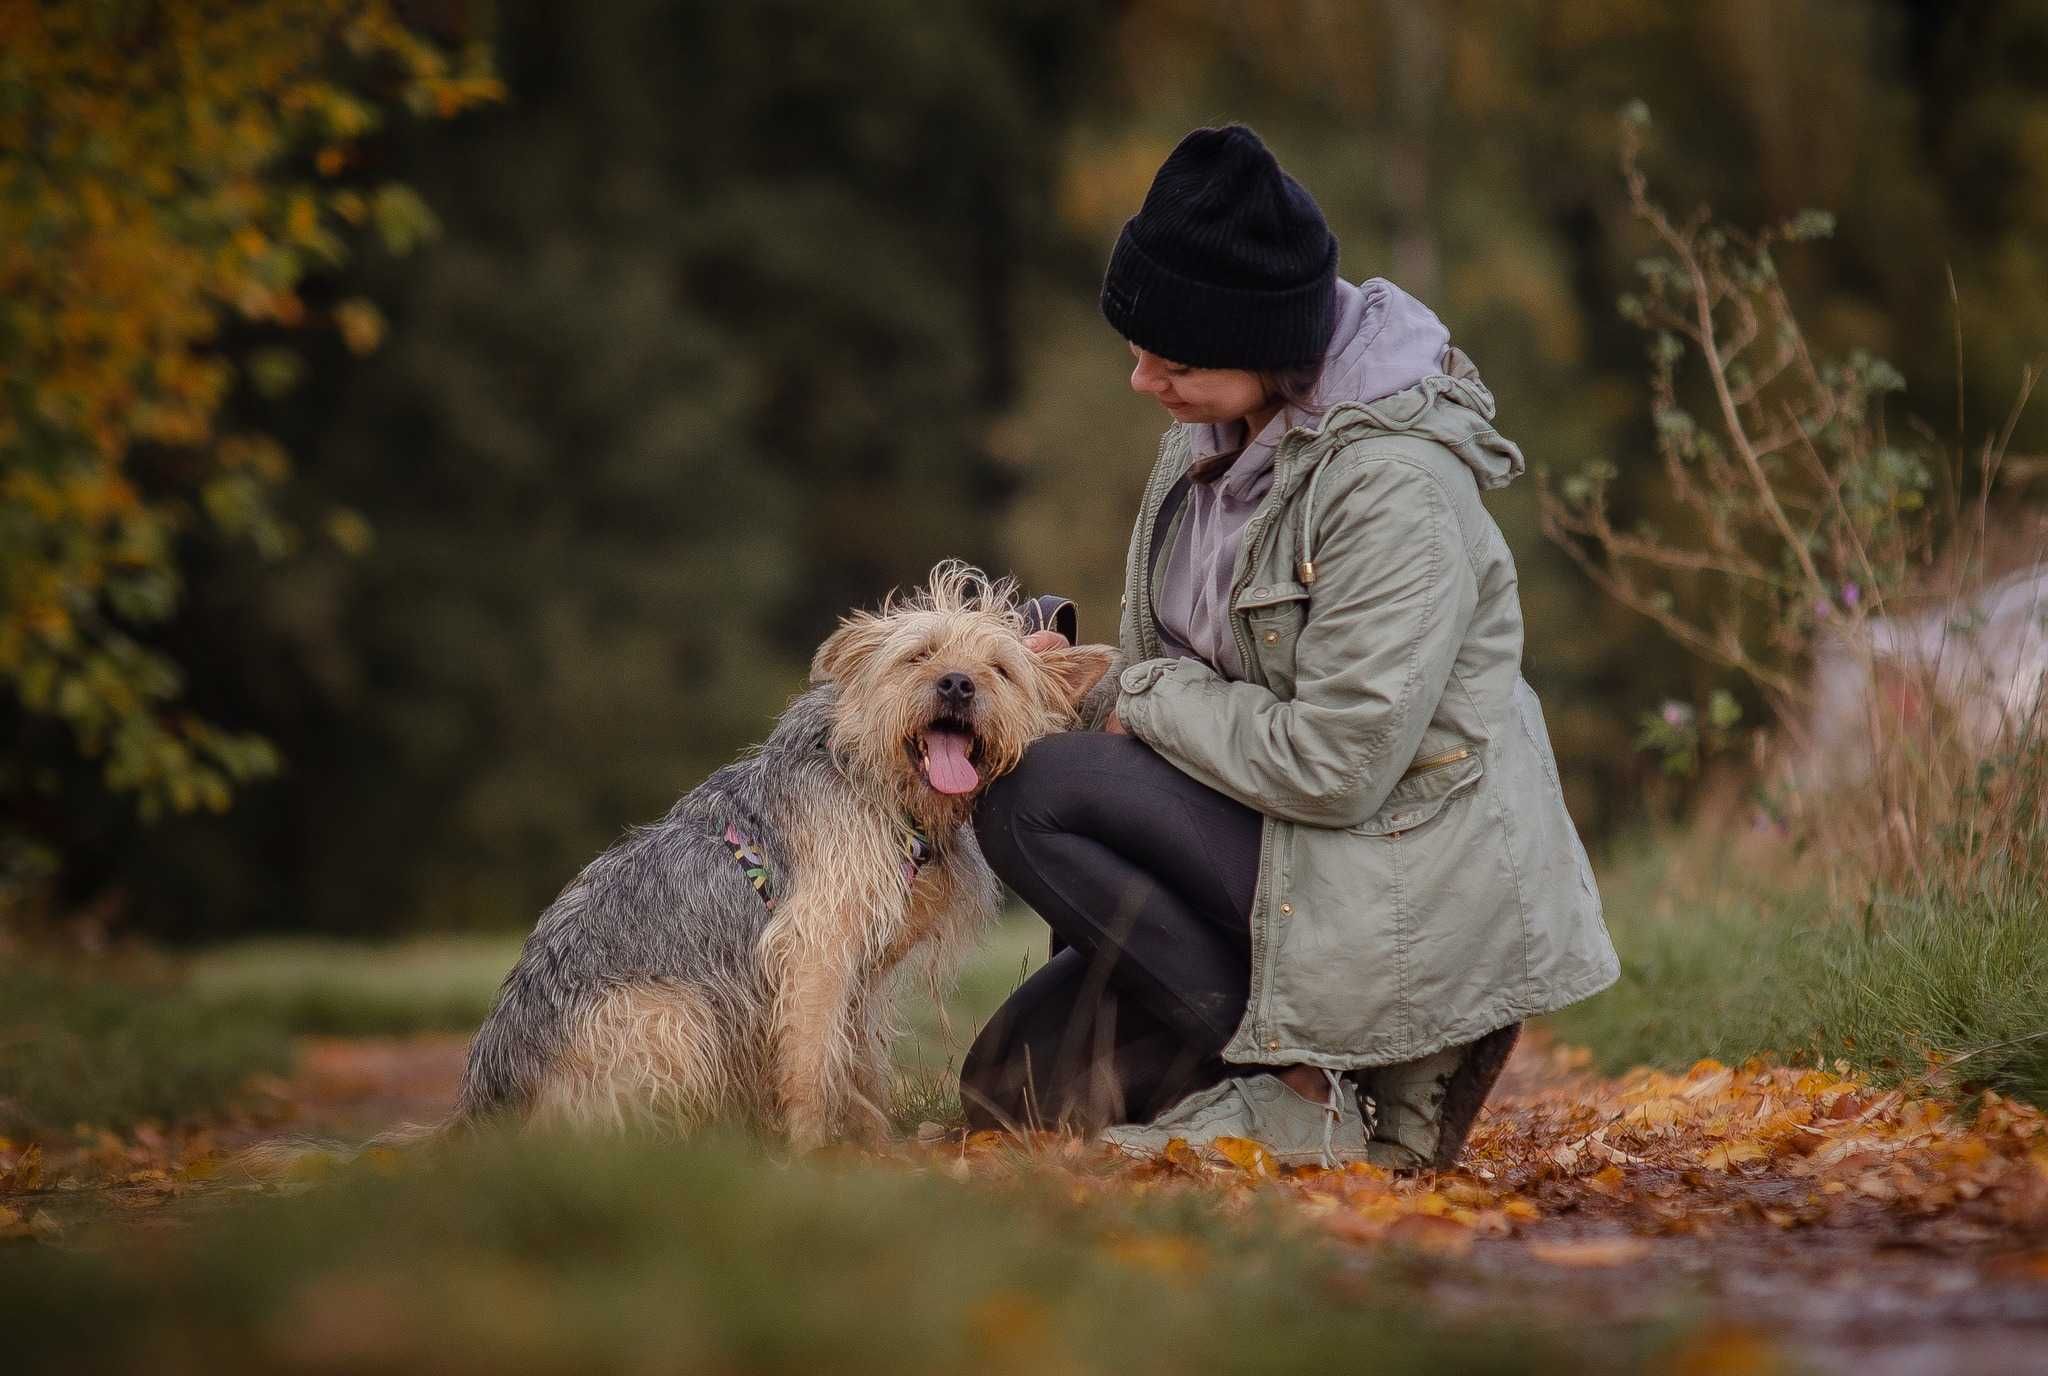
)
(840, 657)
(1077, 669)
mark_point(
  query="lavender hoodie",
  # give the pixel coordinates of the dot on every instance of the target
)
(1384, 341)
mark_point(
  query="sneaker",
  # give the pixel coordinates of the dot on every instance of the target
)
(1408, 1103)
(1294, 1130)
(1424, 1109)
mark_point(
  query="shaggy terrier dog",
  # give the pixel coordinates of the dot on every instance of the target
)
(735, 958)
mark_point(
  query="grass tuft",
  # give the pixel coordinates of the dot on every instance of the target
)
(1948, 987)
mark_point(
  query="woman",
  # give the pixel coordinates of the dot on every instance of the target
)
(1316, 861)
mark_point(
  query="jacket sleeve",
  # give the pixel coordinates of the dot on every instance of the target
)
(1384, 626)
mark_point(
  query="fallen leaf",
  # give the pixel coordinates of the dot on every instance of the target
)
(1591, 1251)
(1436, 1236)
(1729, 1155)
(1248, 1156)
(27, 1172)
(37, 1227)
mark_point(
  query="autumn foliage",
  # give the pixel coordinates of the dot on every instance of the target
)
(169, 172)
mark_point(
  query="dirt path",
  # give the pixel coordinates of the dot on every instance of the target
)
(1800, 1212)
(1855, 1231)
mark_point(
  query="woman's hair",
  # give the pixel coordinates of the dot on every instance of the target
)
(1296, 386)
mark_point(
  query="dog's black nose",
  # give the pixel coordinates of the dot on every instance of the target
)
(956, 689)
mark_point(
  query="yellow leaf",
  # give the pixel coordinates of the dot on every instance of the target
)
(1729, 1155)
(1468, 1193)
(1607, 1180)
(361, 325)
(27, 1173)
(39, 1226)
(1245, 1154)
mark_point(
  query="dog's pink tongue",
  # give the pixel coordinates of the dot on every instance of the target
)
(947, 767)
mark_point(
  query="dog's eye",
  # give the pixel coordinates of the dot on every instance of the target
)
(1005, 673)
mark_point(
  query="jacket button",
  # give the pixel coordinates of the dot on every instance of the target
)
(1272, 637)
(1286, 907)
(1272, 1046)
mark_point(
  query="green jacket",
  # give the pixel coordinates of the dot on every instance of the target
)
(1420, 882)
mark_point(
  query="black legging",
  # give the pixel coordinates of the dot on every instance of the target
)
(1147, 877)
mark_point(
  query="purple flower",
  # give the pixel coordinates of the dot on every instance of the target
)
(1676, 714)
(1822, 609)
(1851, 595)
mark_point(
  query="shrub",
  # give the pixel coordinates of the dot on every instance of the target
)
(1841, 570)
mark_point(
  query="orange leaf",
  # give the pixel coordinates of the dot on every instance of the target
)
(1437, 1236)
(1245, 1154)
(1591, 1251)
(1729, 1155)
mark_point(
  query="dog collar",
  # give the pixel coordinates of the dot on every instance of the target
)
(914, 847)
(914, 850)
(746, 852)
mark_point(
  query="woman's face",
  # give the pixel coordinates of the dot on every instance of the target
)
(1215, 395)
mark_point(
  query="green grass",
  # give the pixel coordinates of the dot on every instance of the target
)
(109, 1044)
(532, 1256)
(105, 1052)
(340, 988)
(112, 1042)
(1722, 966)
(936, 1040)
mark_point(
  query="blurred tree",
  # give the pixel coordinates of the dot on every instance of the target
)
(743, 314)
(165, 170)
(709, 352)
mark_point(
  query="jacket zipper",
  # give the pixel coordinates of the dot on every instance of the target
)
(1438, 761)
(1253, 533)
(1140, 575)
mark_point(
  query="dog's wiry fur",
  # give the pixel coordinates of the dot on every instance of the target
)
(660, 991)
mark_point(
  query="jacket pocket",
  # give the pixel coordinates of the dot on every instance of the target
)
(1430, 785)
(1274, 613)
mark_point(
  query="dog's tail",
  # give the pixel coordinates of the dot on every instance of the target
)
(310, 1158)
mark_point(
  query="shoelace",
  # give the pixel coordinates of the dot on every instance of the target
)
(1332, 1115)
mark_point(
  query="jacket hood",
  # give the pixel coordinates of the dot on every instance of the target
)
(1390, 364)
(1452, 406)
(1385, 341)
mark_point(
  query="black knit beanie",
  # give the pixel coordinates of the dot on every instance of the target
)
(1228, 264)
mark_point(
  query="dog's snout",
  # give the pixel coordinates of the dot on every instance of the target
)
(956, 689)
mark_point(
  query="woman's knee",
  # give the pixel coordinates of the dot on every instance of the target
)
(1057, 776)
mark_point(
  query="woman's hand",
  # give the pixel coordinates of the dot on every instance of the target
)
(1039, 642)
